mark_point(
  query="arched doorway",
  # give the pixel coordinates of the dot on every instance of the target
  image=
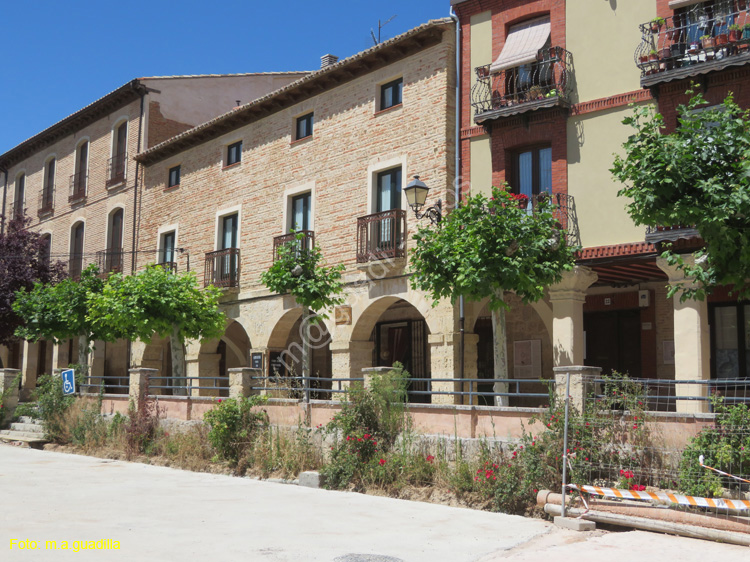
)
(231, 351)
(286, 355)
(529, 353)
(398, 333)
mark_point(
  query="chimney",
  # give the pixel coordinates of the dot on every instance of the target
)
(328, 60)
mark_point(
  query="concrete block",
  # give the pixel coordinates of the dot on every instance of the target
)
(311, 479)
(574, 524)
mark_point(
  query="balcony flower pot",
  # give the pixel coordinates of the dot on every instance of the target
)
(708, 42)
(746, 32)
(656, 24)
(735, 32)
(721, 39)
(483, 72)
(653, 56)
(694, 48)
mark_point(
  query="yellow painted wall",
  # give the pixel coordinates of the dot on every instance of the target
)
(481, 166)
(481, 43)
(593, 139)
(603, 35)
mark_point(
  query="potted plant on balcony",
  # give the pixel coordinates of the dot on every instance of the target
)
(734, 33)
(694, 47)
(707, 41)
(483, 71)
(721, 39)
(746, 32)
(653, 55)
(656, 24)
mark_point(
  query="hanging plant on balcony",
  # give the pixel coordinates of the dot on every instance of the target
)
(656, 24)
(734, 33)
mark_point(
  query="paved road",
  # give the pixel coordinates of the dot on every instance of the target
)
(162, 514)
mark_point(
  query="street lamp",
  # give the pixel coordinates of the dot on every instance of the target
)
(416, 195)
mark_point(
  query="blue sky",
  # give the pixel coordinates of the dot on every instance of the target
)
(61, 56)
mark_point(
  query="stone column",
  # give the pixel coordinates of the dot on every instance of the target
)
(692, 342)
(30, 367)
(581, 384)
(241, 382)
(139, 381)
(60, 355)
(567, 298)
(8, 392)
(444, 365)
(4, 356)
(208, 366)
(470, 368)
(96, 363)
(347, 361)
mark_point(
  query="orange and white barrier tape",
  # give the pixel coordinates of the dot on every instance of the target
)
(700, 461)
(664, 497)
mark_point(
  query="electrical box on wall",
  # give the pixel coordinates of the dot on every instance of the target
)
(644, 298)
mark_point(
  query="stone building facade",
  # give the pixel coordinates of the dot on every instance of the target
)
(329, 155)
(79, 183)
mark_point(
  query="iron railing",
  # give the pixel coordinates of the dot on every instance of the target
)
(718, 33)
(109, 261)
(46, 201)
(168, 385)
(116, 168)
(381, 236)
(305, 243)
(655, 234)
(170, 266)
(78, 183)
(222, 268)
(544, 82)
(75, 266)
(110, 384)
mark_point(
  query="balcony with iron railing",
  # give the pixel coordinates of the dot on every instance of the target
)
(660, 234)
(75, 266)
(700, 40)
(116, 169)
(304, 240)
(78, 183)
(222, 268)
(381, 236)
(46, 201)
(537, 85)
(110, 261)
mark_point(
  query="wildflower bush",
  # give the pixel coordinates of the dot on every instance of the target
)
(366, 429)
(725, 446)
(233, 423)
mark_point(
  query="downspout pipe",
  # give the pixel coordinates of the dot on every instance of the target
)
(135, 187)
(457, 185)
(5, 196)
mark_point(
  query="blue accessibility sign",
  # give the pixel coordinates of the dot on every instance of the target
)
(69, 381)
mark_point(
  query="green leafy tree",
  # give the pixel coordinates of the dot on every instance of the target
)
(157, 302)
(299, 271)
(59, 311)
(697, 176)
(488, 247)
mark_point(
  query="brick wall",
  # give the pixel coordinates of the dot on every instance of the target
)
(160, 128)
(349, 139)
(99, 202)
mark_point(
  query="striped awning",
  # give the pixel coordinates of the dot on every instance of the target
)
(522, 44)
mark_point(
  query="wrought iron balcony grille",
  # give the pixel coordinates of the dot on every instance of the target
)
(46, 201)
(306, 243)
(694, 41)
(78, 184)
(563, 210)
(116, 168)
(110, 261)
(222, 268)
(381, 236)
(531, 86)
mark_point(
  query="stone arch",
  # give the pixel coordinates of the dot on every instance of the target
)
(392, 329)
(524, 323)
(217, 356)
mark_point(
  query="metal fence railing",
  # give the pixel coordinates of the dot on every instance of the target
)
(679, 444)
(109, 384)
(189, 386)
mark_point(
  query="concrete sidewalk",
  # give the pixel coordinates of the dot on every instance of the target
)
(158, 513)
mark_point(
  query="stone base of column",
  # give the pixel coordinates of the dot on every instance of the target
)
(139, 382)
(242, 380)
(581, 384)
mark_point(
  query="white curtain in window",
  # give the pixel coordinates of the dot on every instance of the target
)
(522, 43)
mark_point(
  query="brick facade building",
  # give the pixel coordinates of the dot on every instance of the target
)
(80, 184)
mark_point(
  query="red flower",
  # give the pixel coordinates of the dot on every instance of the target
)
(382, 462)
(430, 458)
(219, 400)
